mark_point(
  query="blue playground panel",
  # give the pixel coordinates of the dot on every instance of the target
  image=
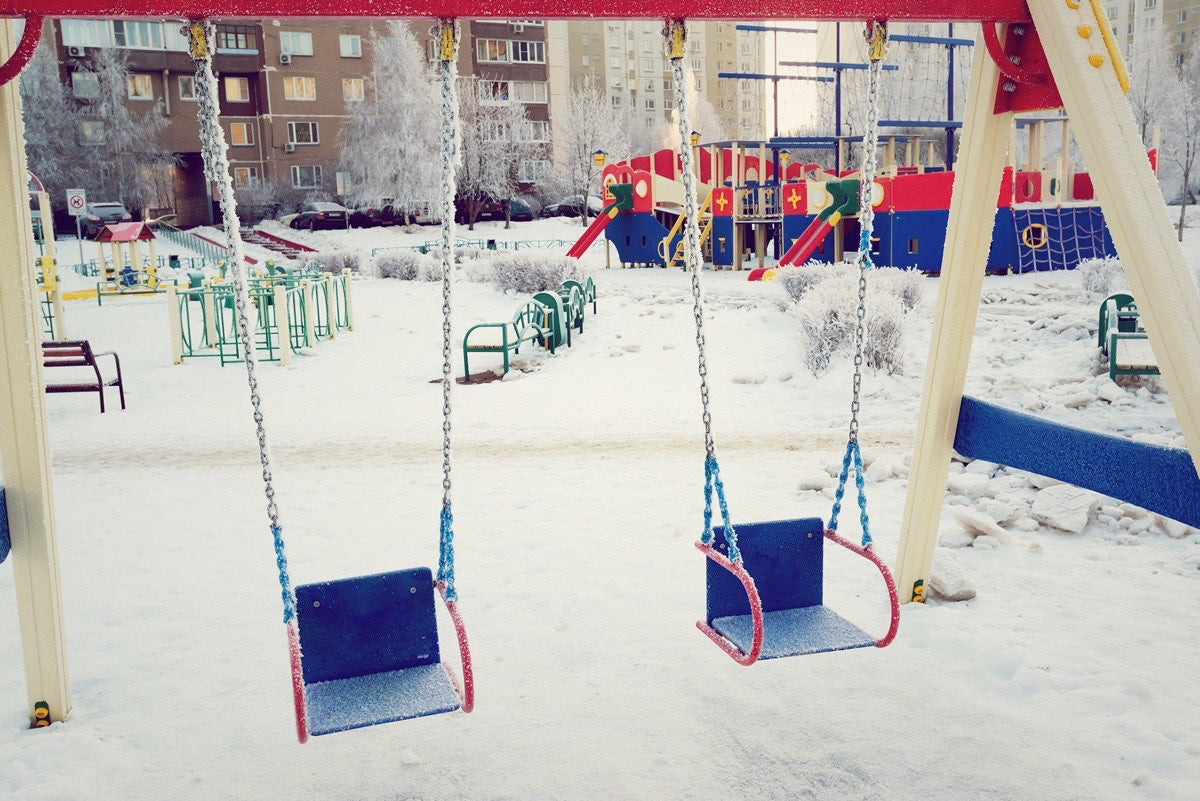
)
(5, 543)
(1154, 477)
(636, 237)
(370, 653)
(786, 559)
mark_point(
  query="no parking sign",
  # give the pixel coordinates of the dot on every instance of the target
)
(76, 202)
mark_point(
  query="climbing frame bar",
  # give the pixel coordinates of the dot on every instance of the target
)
(24, 435)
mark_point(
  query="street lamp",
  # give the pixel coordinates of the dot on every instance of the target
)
(599, 157)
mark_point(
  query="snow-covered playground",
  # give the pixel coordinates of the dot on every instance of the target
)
(577, 499)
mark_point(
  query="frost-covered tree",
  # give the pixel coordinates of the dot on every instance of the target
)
(126, 160)
(51, 123)
(1154, 87)
(1181, 146)
(394, 129)
(586, 123)
(496, 137)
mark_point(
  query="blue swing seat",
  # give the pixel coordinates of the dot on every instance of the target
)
(369, 651)
(786, 560)
(5, 543)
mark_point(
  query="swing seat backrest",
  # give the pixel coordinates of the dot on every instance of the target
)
(5, 542)
(369, 651)
(786, 560)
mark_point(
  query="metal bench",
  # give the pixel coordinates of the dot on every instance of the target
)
(78, 353)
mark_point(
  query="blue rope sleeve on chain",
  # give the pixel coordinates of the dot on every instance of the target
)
(285, 581)
(864, 247)
(853, 454)
(445, 573)
(712, 478)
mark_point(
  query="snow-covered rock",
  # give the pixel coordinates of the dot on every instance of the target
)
(969, 485)
(814, 480)
(1064, 507)
(978, 524)
(947, 578)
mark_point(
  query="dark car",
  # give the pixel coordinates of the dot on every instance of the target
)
(518, 210)
(322, 215)
(370, 216)
(573, 206)
(98, 215)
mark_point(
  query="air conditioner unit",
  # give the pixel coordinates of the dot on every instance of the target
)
(76, 51)
(289, 147)
(518, 28)
(285, 58)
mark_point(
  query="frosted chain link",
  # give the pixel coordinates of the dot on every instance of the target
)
(450, 156)
(691, 228)
(212, 137)
(866, 215)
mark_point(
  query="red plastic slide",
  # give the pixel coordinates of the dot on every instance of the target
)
(813, 236)
(593, 231)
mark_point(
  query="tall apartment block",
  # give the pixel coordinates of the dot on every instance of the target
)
(625, 60)
(287, 88)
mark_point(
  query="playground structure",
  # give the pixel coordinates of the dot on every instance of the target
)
(755, 199)
(1061, 46)
(292, 310)
(123, 269)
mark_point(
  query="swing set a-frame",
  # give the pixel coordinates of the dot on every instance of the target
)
(1041, 54)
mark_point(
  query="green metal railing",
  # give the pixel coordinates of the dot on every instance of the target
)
(481, 244)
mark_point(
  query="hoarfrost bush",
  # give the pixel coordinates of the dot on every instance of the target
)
(524, 273)
(334, 261)
(883, 345)
(404, 265)
(826, 316)
(827, 319)
(797, 281)
(906, 286)
(1103, 276)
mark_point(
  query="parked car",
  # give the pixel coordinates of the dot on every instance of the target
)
(518, 210)
(573, 206)
(370, 216)
(98, 215)
(321, 214)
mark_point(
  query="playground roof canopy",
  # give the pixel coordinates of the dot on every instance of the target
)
(125, 232)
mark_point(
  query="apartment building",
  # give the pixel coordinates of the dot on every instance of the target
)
(624, 59)
(287, 88)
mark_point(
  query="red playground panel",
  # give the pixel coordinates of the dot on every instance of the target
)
(927, 11)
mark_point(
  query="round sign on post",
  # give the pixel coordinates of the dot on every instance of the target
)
(76, 202)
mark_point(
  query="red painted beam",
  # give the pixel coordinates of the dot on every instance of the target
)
(927, 10)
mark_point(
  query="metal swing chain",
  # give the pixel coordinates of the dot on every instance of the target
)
(202, 36)
(675, 37)
(876, 35)
(448, 38)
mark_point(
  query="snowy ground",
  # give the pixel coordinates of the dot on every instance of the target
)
(577, 498)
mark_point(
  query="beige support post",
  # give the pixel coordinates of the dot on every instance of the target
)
(209, 301)
(889, 156)
(349, 299)
(135, 255)
(101, 263)
(283, 325)
(118, 262)
(979, 168)
(306, 292)
(153, 255)
(330, 304)
(175, 324)
(1167, 297)
(24, 433)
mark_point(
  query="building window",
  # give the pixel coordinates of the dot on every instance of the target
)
(649, 104)
(237, 90)
(493, 93)
(306, 177)
(1131, 8)
(303, 133)
(245, 176)
(85, 85)
(91, 132)
(299, 88)
(528, 52)
(1179, 58)
(187, 87)
(647, 64)
(533, 23)
(585, 60)
(86, 33)
(351, 45)
(529, 91)
(491, 51)
(1183, 15)
(137, 35)
(236, 39)
(353, 89)
(614, 62)
(295, 43)
(1151, 3)
(615, 42)
(616, 101)
(530, 170)
(584, 39)
(241, 133)
(139, 87)
(539, 131)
